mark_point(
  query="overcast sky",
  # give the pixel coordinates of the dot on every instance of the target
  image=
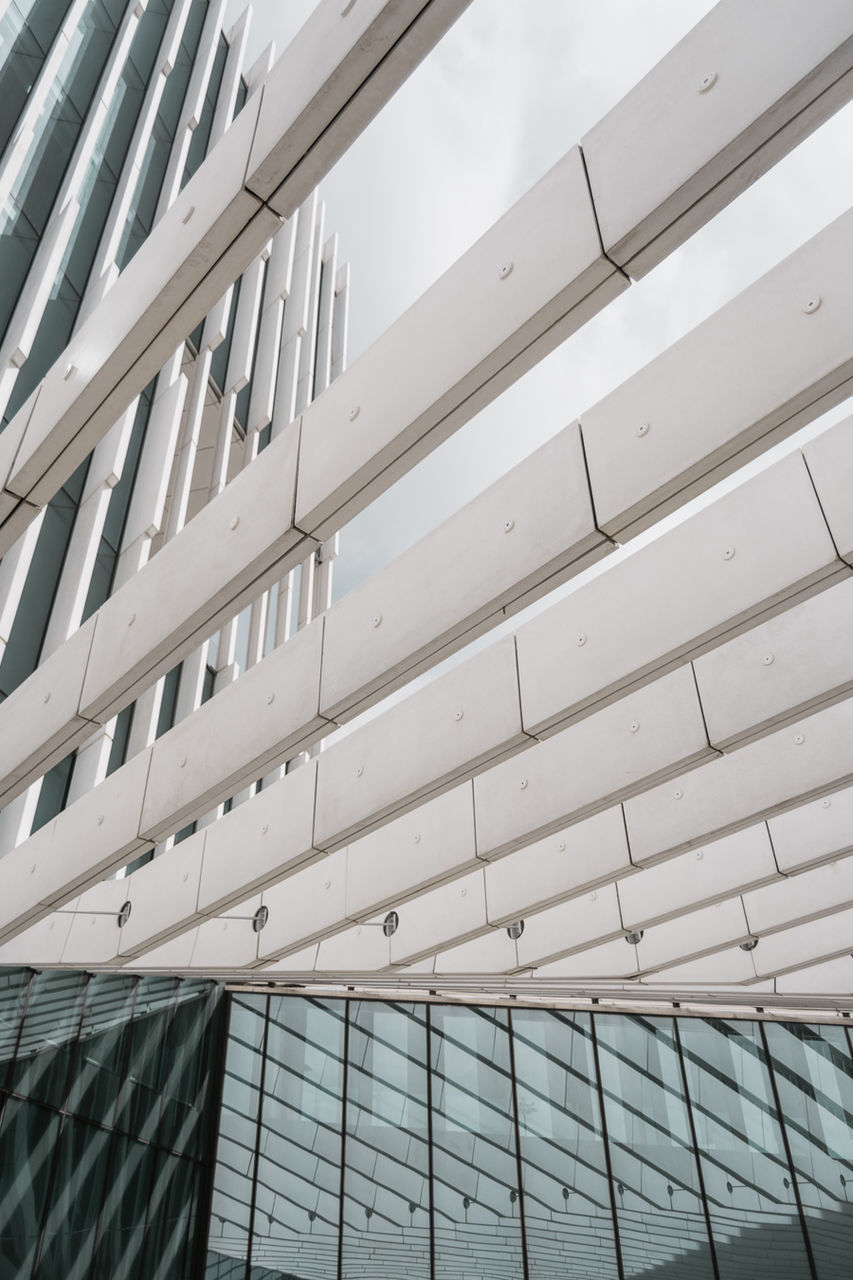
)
(512, 86)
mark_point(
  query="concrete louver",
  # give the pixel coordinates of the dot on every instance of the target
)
(328, 84)
(698, 722)
(341, 68)
(703, 424)
(614, 722)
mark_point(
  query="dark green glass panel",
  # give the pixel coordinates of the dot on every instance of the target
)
(156, 158)
(238, 1131)
(567, 1206)
(201, 134)
(49, 1029)
(35, 191)
(121, 733)
(748, 1184)
(101, 583)
(295, 1225)
(386, 1212)
(27, 1143)
(23, 649)
(141, 1097)
(101, 1052)
(659, 1208)
(168, 700)
(121, 1238)
(814, 1076)
(171, 1213)
(75, 1202)
(14, 985)
(54, 792)
(186, 1085)
(475, 1170)
(24, 57)
(219, 361)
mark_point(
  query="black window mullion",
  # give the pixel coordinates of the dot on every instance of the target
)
(258, 1129)
(520, 1173)
(344, 1086)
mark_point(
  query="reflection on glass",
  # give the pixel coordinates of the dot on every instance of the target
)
(44, 1051)
(297, 1207)
(814, 1077)
(386, 1182)
(475, 1170)
(751, 1197)
(91, 1055)
(238, 1134)
(567, 1206)
(658, 1204)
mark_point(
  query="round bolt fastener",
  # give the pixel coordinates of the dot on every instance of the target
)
(826, 804)
(270, 699)
(459, 714)
(767, 660)
(100, 819)
(33, 868)
(260, 918)
(728, 554)
(699, 855)
(123, 914)
(359, 771)
(327, 884)
(183, 762)
(523, 784)
(463, 893)
(811, 305)
(417, 838)
(749, 945)
(515, 930)
(707, 82)
(46, 699)
(131, 620)
(509, 525)
(592, 897)
(634, 937)
(235, 520)
(354, 412)
(678, 793)
(390, 924)
(643, 429)
(505, 270)
(562, 846)
(377, 620)
(635, 726)
(580, 640)
(799, 739)
(264, 829)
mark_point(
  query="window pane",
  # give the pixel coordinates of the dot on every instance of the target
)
(28, 1140)
(658, 1206)
(567, 1207)
(751, 1198)
(475, 1171)
(386, 1180)
(814, 1077)
(40, 1070)
(295, 1225)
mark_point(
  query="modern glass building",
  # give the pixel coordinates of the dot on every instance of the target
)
(542, 971)
(158, 1127)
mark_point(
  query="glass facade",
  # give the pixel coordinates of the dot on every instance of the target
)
(363, 1138)
(409, 1141)
(107, 1103)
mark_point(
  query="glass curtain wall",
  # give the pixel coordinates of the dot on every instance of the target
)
(107, 1098)
(371, 1140)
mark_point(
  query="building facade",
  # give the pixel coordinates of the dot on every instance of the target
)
(543, 969)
